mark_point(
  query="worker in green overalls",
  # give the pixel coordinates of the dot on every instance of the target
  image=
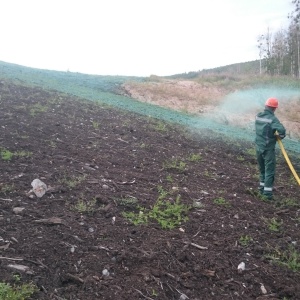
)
(267, 128)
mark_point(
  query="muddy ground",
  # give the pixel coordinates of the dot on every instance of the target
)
(98, 163)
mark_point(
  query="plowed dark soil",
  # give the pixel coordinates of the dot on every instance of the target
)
(74, 242)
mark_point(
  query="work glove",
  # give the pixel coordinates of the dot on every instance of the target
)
(280, 136)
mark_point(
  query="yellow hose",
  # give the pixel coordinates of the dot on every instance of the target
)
(288, 160)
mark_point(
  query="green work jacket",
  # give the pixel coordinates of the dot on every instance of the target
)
(266, 124)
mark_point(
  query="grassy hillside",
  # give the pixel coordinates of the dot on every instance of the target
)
(249, 68)
(216, 99)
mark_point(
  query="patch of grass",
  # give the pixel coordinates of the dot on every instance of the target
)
(167, 213)
(256, 175)
(16, 278)
(245, 240)
(154, 293)
(251, 152)
(240, 158)
(208, 174)
(194, 157)
(160, 126)
(52, 144)
(137, 218)
(221, 201)
(257, 194)
(273, 224)
(169, 178)
(72, 181)
(95, 125)
(289, 258)
(176, 164)
(289, 202)
(6, 154)
(162, 193)
(7, 188)
(37, 109)
(252, 192)
(127, 201)
(22, 292)
(23, 153)
(88, 206)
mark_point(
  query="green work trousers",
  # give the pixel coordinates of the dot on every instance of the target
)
(267, 163)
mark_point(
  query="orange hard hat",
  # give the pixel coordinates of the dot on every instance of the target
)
(272, 102)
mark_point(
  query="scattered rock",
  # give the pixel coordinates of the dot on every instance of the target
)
(18, 210)
(20, 268)
(241, 267)
(39, 188)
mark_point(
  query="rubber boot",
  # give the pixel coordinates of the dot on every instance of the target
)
(268, 195)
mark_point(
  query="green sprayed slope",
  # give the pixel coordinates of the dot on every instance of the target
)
(105, 89)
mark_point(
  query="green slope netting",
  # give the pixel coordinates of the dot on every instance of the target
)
(105, 89)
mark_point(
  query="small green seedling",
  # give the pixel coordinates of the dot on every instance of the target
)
(245, 240)
(88, 206)
(221, 201)
(169, 178)
(137, 218)
(6, 154)
(194, 157)
(72, 181)
(251, 152)
(273, 224)
(175, 164)
(95, 124)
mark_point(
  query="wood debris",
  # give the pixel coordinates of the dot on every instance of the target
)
(51, 221)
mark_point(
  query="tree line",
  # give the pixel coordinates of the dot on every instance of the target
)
(279, 52)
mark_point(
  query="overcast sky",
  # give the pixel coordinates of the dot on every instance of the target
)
(135, 37)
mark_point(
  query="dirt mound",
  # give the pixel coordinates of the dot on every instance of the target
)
(186, 96)
(101, 165)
